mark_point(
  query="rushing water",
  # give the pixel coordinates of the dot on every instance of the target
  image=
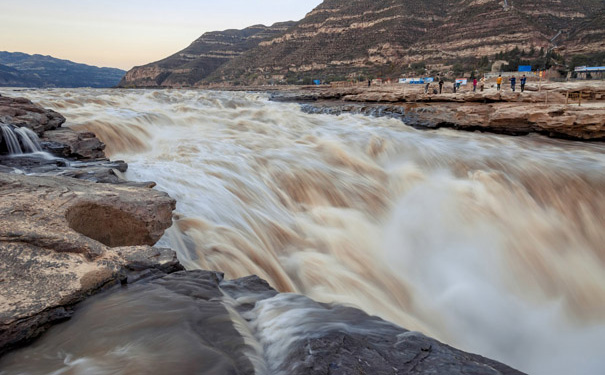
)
(493, 244)
(16, 141)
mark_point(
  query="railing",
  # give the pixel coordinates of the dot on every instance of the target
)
(575, 97)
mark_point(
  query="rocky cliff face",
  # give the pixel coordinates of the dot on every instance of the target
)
(381, 37)
(201, 58)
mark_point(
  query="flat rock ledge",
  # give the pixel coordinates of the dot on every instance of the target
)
(548, 112)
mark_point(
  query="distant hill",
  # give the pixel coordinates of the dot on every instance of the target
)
(196, 62)
(22, 70)
(342, 39)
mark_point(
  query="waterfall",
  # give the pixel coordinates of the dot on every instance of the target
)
(490, 243)
(19, 140)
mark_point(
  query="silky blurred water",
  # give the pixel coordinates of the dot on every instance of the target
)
(492, 244)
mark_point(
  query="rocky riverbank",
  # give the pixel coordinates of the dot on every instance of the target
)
(552, 110)
(71, 227)
(63, 235)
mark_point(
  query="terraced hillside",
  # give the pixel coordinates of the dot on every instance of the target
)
(348, 38)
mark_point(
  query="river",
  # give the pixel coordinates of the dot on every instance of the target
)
(492, 244)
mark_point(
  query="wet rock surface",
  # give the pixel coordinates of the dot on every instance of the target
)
(69, 153)
(22, 112)
(243, 326)
(78, 145)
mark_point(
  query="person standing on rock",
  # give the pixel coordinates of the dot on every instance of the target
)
(499, 82)
(474, 84)
(441, 84)
(482, 84)
(523, 81)
(454, 87)
(513, 83)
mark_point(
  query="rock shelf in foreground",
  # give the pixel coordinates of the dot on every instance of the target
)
(62, 240)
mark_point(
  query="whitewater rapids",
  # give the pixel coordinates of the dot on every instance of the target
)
(492, 244)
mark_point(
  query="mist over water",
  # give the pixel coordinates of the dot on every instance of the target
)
(489, 243)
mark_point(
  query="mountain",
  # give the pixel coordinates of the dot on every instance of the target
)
(383, 38)
(10, 77)
(202, 57)
(22, 70)
(589, 36)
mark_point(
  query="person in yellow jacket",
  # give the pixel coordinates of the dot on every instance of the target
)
(499, 82)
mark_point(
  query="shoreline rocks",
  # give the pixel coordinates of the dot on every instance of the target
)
(71, 227)
(502, 112)
(62, 239)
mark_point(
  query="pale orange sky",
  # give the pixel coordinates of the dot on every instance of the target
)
(123, 34)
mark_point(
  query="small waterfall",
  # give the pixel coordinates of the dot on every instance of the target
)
(19, 140)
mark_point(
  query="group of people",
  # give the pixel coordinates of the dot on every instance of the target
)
(513, 82)
(457, 83)
(480, 83)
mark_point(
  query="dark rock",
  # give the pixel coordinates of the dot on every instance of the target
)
(243, 326)
(22, 112)
(80, 145)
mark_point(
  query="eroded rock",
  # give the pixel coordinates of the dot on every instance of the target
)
(63, 239)
(79, 145)
(22, 112)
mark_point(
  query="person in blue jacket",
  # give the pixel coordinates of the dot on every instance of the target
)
(523, 80)
(513, 83)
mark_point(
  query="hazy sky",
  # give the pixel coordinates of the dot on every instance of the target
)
(126, 33)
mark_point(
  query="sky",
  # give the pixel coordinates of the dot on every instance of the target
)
(127, 33)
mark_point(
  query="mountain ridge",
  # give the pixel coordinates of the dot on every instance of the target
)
(18, 69)
(201, 57)
(344, 39)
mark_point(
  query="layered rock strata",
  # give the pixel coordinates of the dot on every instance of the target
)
(201, 58)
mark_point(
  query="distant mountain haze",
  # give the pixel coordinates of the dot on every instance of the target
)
(342, 38)
(23, 70)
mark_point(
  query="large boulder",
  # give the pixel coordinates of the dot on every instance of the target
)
(78, 145)
(63, 239)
